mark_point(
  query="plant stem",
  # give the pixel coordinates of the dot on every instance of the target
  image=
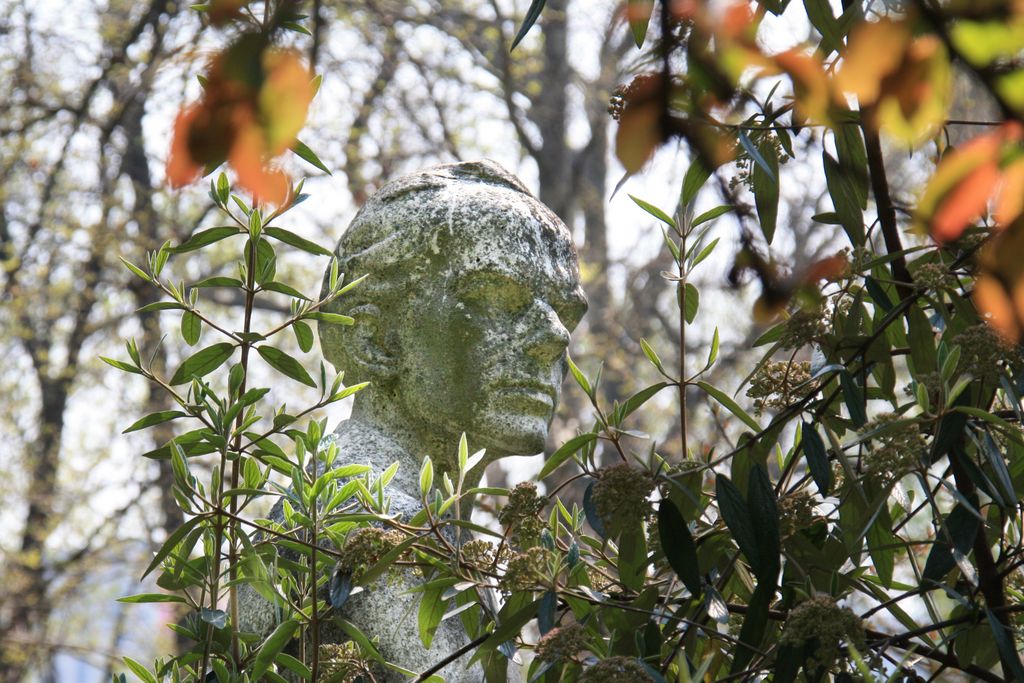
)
(681, 285)
(250, 297)
(314, 617)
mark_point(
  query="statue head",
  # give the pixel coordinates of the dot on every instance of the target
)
(463, 321)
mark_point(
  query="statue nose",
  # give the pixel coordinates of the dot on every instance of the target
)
(548, 338)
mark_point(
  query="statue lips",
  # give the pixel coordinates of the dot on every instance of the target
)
(533, 394)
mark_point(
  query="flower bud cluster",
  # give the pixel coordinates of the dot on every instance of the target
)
(983, 353)
(895, 451)
(563, 642)
(620, 495)
(806, 326)
(935, 276)
(821, 620)
(616, 670)
(526, 570)
(796, 512)
(343, 663)
(365, 547)
(778, 384)
(478, 553)
(521, 515)
(626, 93)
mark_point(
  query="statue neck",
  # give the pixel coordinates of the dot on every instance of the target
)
(368, 437)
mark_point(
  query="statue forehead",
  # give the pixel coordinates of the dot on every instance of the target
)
(463, 224)
(516, 234)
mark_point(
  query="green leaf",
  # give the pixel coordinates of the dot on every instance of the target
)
(853, 397)
(154, 419)
(736, 515)
(632, 557)
(285, 364)
(432, 608)
(678, 545)
(205, 237)
(654, 211)
(639, 14)
(756, 157)
(139, 670)
(303, 335)
(651, 354)
(846, 199)
(203, 362)
(755, 622)
(962, 526)
(171, 542)
(152, 597)
(271, 647)
(531, 17)
(764, 181)
(691, 302)
(1006, 646)
(819, 12)
(366, 647)
(191, 328)
(923, 356)
(730, 405)
(508, 626)
(641, 397)
(882, 543)
(121, 365)
(298, 28)
(580, 378)
(290, 238)
(223, 188)
(695, 177)
(282, 288)
(331, 318)
(217, 618)
(710, 215)
(160, 306)
(853, 158)
(219, 281)
(590, 509)
(295, 666)
(565, 451)
(135, 269)
(817, 458)
(764, 519)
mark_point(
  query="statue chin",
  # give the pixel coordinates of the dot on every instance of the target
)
(505, 433)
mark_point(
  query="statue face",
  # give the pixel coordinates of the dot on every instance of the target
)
(483, 339)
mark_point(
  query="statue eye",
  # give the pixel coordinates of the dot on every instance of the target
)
(495, 293)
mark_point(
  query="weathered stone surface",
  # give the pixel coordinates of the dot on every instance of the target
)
(461, 326)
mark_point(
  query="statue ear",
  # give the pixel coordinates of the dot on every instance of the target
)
(362, 348)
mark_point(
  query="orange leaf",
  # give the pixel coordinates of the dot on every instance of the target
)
(182, 169)
(223, 11)
(951, 171)
(1010, 203)
(684, 9)
(992, 301)
(284, 98)
(915, 98)
(810, 84)
(640, 131)
(965, 203)
(874, 51)
(247, 157)
(829, 268)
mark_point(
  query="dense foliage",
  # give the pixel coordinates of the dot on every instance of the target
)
(864, 524)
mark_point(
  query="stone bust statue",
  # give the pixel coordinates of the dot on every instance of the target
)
(461, 326)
